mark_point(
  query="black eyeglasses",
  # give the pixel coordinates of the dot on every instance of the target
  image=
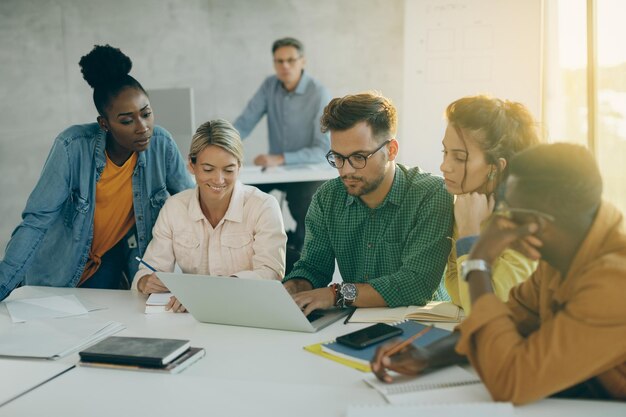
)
(356, 160)
(510, 213)
(288, 61)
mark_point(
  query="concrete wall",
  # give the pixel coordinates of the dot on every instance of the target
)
(219, 48)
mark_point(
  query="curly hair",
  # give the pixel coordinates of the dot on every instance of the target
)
(501, 128)
(106, 69)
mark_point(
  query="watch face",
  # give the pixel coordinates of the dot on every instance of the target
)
(348, 291)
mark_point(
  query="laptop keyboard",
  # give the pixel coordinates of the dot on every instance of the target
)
(314, 315)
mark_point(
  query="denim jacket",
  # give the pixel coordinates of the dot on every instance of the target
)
(51, 245)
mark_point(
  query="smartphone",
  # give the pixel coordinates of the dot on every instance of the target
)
(369, 336)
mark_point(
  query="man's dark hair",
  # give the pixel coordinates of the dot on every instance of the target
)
(288, 42)
(561, 178)
(374, 109)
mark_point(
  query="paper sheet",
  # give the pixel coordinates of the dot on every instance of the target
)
(45, 308)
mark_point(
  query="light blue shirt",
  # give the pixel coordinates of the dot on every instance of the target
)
(51, 245)
(293, 119)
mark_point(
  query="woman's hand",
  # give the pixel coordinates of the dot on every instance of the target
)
(151, 283)
(175, 306)
(470, 210)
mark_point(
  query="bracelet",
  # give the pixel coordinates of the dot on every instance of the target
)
(336, 293)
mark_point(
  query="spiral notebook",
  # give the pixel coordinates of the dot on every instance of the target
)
(439, 410)
(402, 391)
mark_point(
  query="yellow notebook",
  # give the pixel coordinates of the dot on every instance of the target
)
(435, 311)
(317, 350)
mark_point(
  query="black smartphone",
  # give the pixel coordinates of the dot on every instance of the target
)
(369, 336)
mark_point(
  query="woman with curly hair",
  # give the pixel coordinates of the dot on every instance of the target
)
(100, 190)
(482, 136)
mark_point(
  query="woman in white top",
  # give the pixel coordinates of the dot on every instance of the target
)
(221, 227)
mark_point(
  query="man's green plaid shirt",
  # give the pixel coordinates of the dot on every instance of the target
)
(400, 248)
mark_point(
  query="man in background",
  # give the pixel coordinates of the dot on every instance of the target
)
(293, 102)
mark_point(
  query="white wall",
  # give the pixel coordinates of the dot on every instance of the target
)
(420, 53)
(221, 49)
(464, 47)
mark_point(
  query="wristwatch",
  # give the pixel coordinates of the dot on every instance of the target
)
(348, 293)
(474, 265)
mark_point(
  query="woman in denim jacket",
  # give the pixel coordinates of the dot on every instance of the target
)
(100, 190)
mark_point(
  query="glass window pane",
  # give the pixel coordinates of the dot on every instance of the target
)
(565, 99)
(611, 118)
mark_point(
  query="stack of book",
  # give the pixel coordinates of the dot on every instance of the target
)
(141, 354)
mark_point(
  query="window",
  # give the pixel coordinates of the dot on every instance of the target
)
(585, 84)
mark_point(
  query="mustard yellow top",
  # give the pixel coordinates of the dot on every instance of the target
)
(557, 331)
(114, 215)
(510, 269)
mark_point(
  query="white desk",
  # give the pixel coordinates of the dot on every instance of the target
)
(253, 175)
(246, 372)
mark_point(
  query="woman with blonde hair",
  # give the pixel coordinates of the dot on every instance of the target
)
(221, 227)
(482, 135)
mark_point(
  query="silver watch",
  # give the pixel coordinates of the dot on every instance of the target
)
(348, 293)
(474, 265)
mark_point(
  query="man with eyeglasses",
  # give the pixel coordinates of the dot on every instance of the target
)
(293, 102)
(386, 225)
(563, 331)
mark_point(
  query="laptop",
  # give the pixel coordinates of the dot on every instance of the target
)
(245, 302)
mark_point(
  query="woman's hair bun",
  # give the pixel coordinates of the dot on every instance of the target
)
(103, 65)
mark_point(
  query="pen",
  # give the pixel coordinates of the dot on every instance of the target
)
(264, 169)
(408, 341)
(349, 316)
(145, 263)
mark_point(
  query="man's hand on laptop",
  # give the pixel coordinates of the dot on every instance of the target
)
(175, 306)
(151, 283)
(297, 285)
(320, 298)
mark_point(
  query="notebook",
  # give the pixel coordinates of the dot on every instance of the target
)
(182, 362)
(434, 311)
(156, 303)
(363, 356)
(360, 358)
(245, 302)
(139, 351)
(439, 410)
(408, 390)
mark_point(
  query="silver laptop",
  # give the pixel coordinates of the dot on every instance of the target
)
(245, 302)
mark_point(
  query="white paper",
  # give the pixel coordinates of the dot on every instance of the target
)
(433, 387)
(43, 308)
(22, 375)
(439, 410)
(159, 299)
(54, 338)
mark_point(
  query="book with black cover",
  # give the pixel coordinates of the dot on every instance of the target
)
(140, 351)
(192, 355)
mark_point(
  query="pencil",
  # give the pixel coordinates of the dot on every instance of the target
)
(145, 263)
(408, 341)
(349, 316)
(264, 169)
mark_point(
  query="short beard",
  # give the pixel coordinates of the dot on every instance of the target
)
(368, 186)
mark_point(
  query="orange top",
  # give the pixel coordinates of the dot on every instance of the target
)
(556, 332)
(114, 215)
